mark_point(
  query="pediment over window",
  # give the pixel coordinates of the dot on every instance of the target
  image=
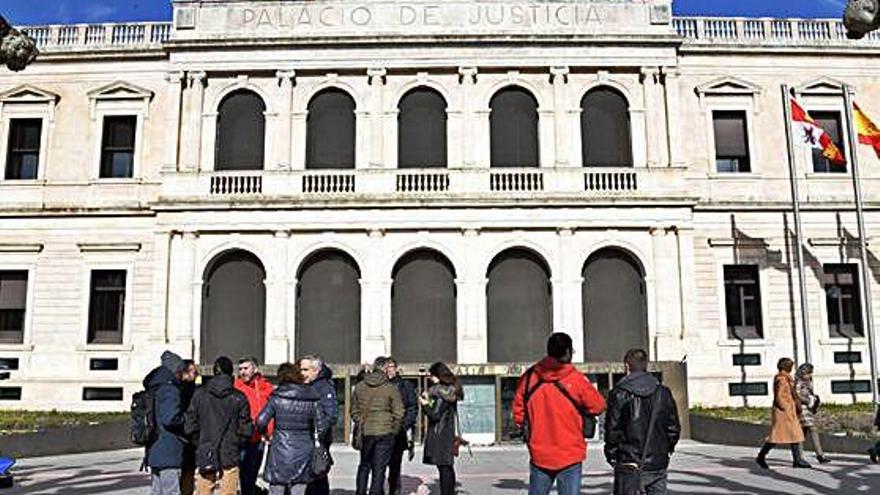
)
(729, 86)
(27, 93)
(823, 86)
(120, 91)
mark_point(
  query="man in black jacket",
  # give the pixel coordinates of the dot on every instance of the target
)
(630, 406)
(219, 422)
(320, 377)
(403, 440)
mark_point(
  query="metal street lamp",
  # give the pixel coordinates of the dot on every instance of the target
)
(17, 50)
(861, 17)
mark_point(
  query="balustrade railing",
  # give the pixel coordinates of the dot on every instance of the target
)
(333, 183)
(516, 181)
(613, 182)
(422, 182)
(129, 35)
(223, 184)
(747, 31)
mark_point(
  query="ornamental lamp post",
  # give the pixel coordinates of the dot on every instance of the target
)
(17, 50)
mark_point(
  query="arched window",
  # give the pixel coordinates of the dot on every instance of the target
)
(241, 132)
(519, 306)
(605, 130)
(421, 129)
(233, 307)
(513, 119)
(614, 305)
(330, 131)
(328, 307)
(423, 309)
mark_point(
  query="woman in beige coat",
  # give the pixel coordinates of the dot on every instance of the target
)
(785, 427)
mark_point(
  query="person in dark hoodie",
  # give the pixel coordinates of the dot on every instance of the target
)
(440, 404)
(219, 422)
(403, 441)
(299, 420)
(377, 409)
(319, 376)
(164, 457)
(188, 380)
(630, 406)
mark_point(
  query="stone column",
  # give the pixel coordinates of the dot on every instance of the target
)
(160, 329)
(567, 290)
(277, 345)
(654, 116)
(172, 123)
(192, 133)
(559, 77)
(285, 129)
(183, 276)
(377, 84)
(467, 94)
(671, 84)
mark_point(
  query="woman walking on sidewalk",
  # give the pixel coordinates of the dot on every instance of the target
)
(440, 405)
(785, 427)
(809, 402)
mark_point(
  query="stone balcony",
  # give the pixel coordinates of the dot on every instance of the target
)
(80, 37)
(427, 185)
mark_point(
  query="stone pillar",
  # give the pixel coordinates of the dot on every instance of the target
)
(160, 330)
(285, 129)
(467, 95)
(377, 84)
(653, 116)
(277, 344)
(170, 162)
(192, 134)
(567, 290)
(471, 306)
(185, 291)
(559, 77)
(671, 84)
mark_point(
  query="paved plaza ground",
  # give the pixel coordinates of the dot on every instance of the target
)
(697, 469)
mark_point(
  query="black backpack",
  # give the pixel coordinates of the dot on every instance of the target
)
(143, 418)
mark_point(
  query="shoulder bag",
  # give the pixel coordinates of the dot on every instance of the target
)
(321, 459)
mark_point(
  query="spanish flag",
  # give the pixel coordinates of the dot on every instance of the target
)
(866, 129)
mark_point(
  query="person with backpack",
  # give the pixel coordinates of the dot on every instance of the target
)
(299, 422)
(158, 424)
(440, 405)
(257, 389)
(377, 411)
(641, 429)
(219, 422)
(554, 408)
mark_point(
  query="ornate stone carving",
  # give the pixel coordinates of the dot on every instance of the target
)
(17, 50)
(861, 17)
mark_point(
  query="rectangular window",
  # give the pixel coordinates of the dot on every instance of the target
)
(13, 305)
(851, 387)
(843, 301)
(742, 297)
(10, 393)
(102, 393)
(747, 389)
(831, 122)
(117, 147)
(106, 306)
(731, 141)
(23, 149)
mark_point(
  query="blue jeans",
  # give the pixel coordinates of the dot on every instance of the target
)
(165, 481)
(251, 458)
(568, 480)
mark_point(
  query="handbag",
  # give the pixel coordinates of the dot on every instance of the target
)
(321, 459)
(458, 441)
(628, 477)
(208, 460)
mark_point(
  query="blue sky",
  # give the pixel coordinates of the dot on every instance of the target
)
(25, 12)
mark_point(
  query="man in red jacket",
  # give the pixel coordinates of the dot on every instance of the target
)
(257, 389)
(547, 407)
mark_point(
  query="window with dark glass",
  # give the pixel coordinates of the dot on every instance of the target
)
(330, 131)
(843, 301)
(513, 120)
(742, 297)
(605, 129)
(106, 306)
(731, 141)
(831, 123)
(421, 129)
(241, 132)
(23, 149)
(13, 305)
(117, 147)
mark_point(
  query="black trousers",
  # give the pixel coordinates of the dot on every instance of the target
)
(447, 480)
(375, 456)
(394, 470)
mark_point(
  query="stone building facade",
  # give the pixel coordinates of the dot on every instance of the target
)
(447, 180)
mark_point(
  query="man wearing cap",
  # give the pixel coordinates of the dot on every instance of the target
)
(165, 455)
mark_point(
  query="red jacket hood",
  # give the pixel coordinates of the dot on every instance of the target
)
(551, 370)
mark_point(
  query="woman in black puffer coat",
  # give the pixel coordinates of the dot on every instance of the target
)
(294, 407)
(440, 405)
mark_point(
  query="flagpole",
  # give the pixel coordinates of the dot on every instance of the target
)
(799, 238)
(863, 241)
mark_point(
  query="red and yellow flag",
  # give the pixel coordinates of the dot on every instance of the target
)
(868, 132)
(809, 133)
